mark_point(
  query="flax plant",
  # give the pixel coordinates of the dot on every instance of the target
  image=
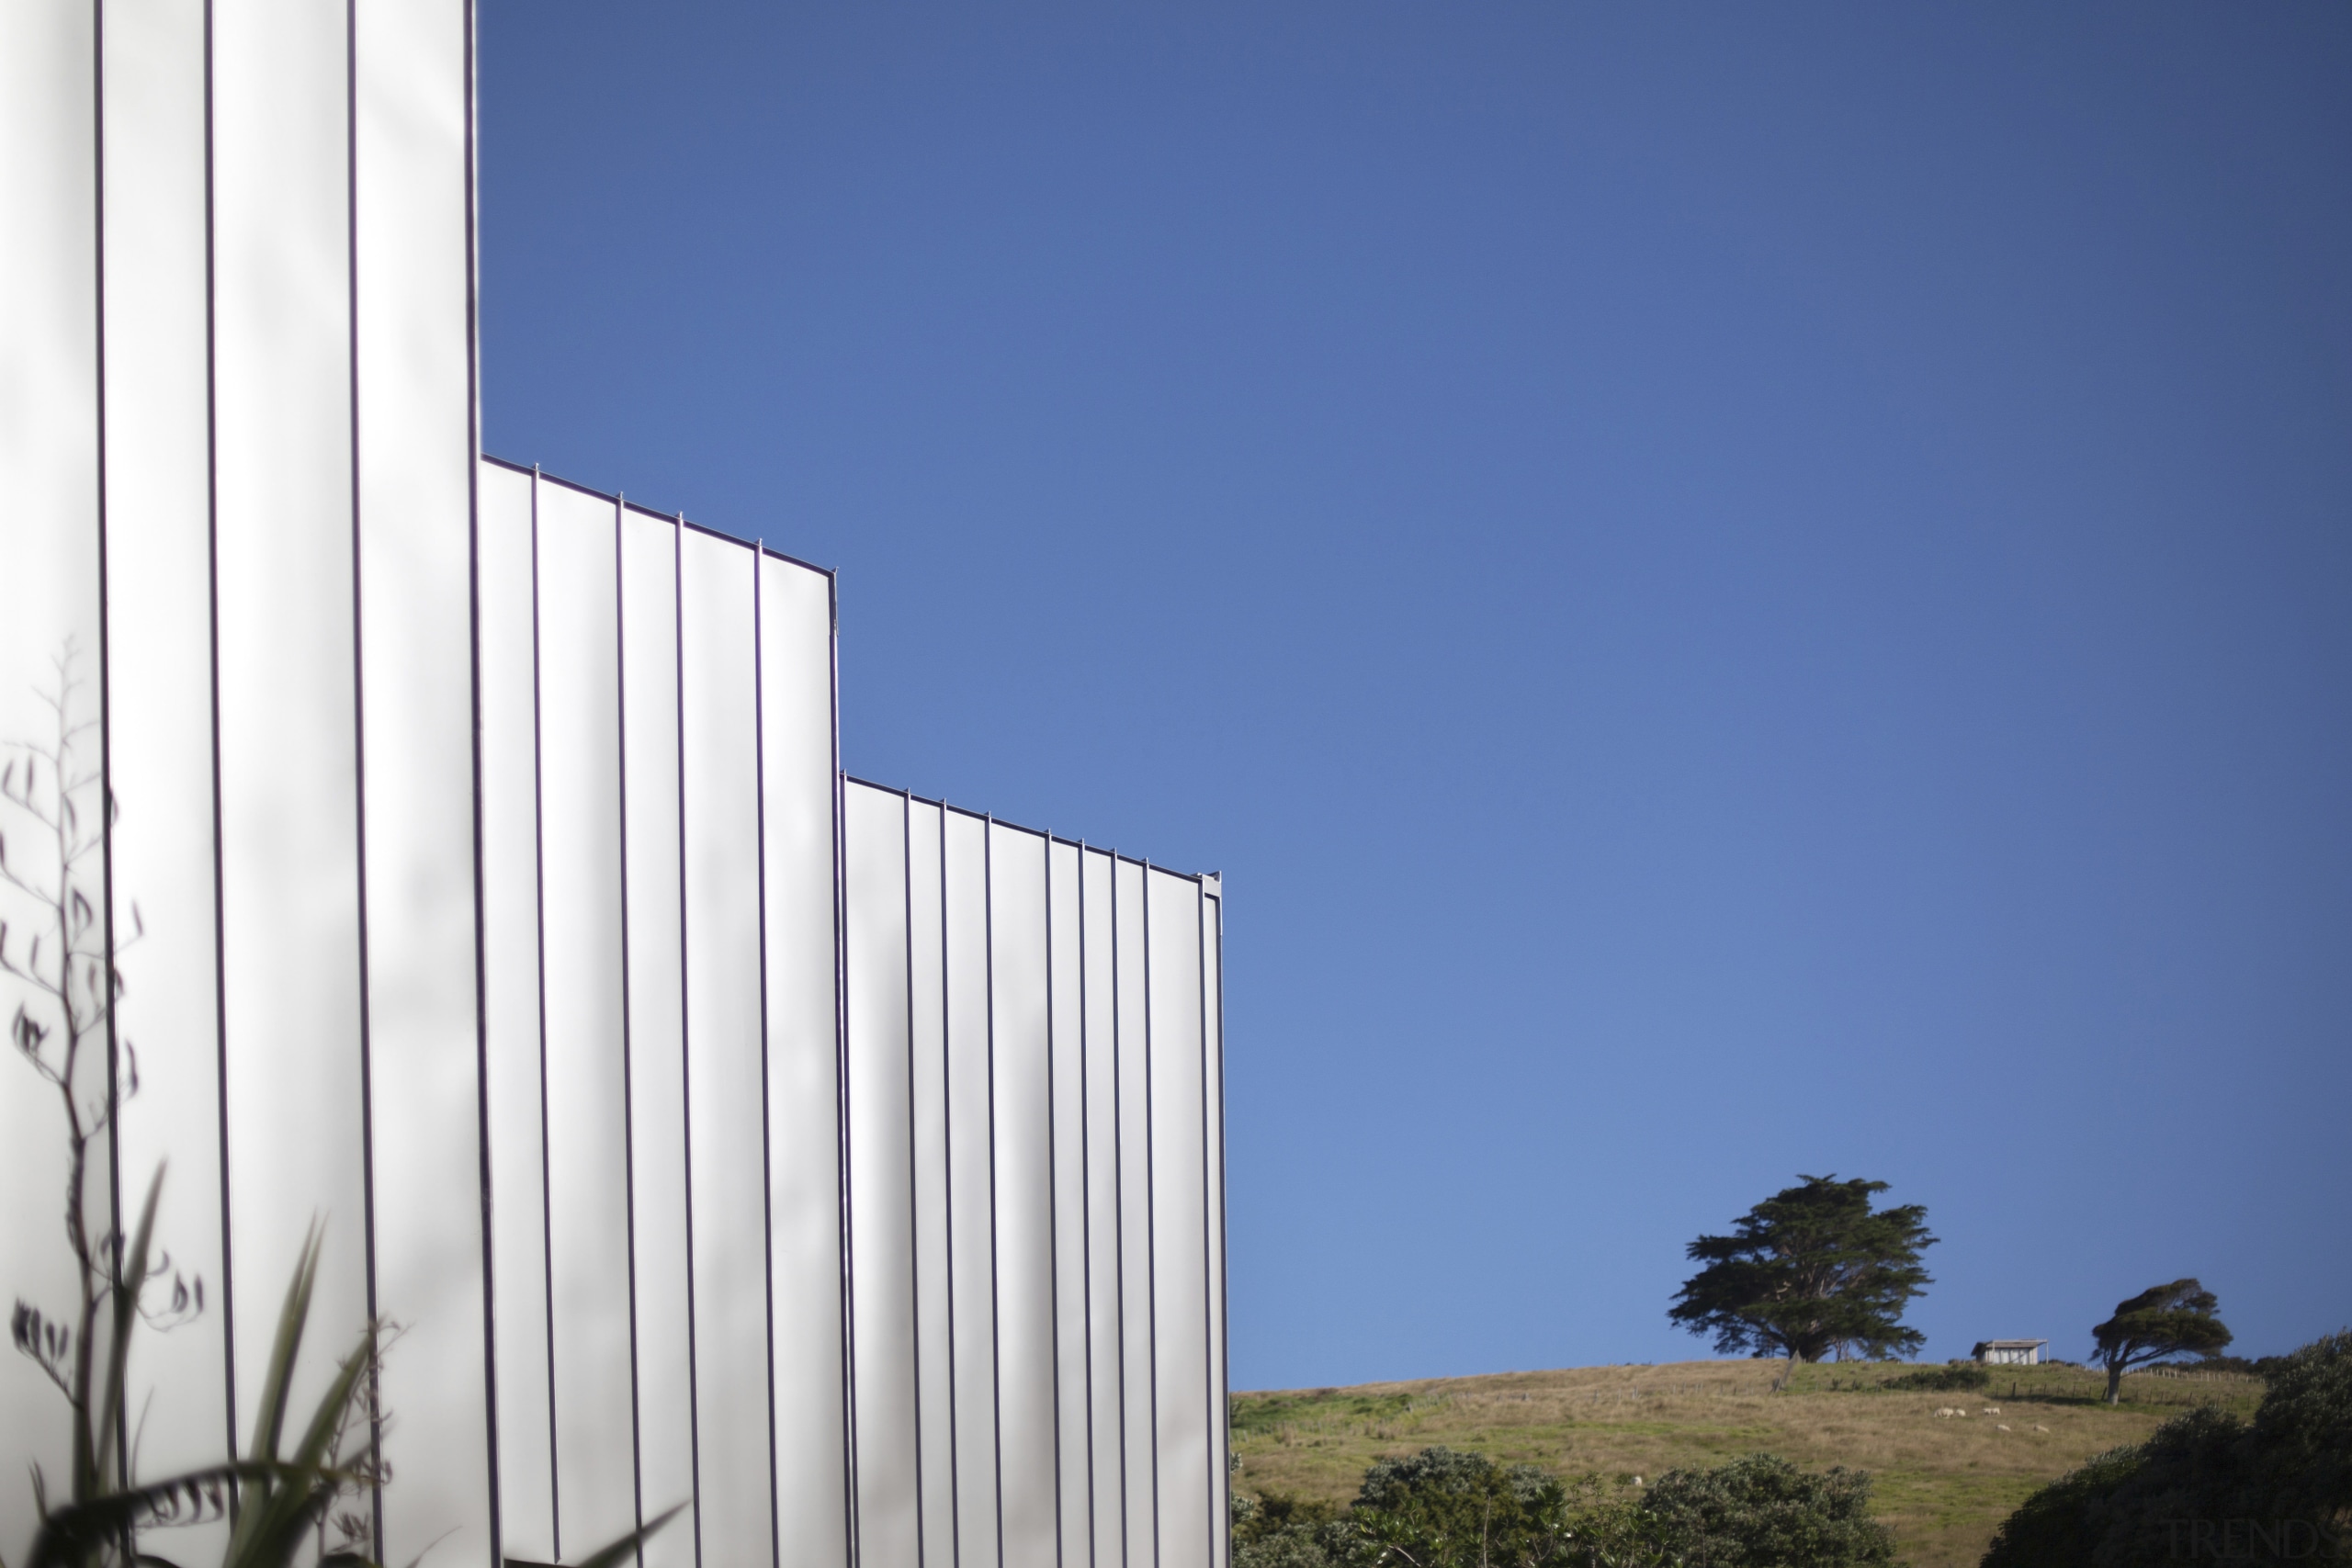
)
(63, 965)
(278, 1500)
(63, 968)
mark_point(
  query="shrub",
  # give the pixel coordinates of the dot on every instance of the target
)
(2301, 1435)
(2206, 1483)
(1943, 1380)
(1608, 1527)
(1443, 1508)
(1396, 1484)
(1274, 1529)
(2054, 1525)
(1285, 1548)
(1763, 1512)
(1271, 1513)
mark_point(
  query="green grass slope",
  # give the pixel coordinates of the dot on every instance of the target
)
(1943, 1482)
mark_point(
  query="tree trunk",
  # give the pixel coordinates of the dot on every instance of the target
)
(2115, 1382)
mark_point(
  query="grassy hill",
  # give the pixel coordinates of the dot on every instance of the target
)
(1943, 1482)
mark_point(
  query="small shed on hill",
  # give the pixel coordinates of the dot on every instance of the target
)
(2009, 1352)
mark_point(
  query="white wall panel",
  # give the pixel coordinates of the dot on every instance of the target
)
(660, 1249)
(1135, 1213)
(1067, 1039)
(416, 445)
(1106, 1366)
(48, 558)
(1213, 1032)
(799, 880)
(579, 865)
(882, 1162)
(1021, 1096)
(1180, 1233)
(970, 1204)
(934, 1310)
(859, 1178)
(511, 994)
(726, 1081)
(289, 724)
(159, 487)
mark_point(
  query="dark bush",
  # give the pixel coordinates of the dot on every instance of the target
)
(1285, 1548)
(1275, 1529)
(2055, 1526)
(1271, 1513)
(1943, 1380)
(1763, 1512)
(1393, 1483)
(2206, 1484)
(2302, 1436)
(1443, 1508)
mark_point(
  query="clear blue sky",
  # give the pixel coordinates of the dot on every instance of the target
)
(1736, 590)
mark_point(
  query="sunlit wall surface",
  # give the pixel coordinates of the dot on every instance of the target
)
(1035, 1079)
(486, 892)
(924, 1253)
(660, 909)
(237, 428)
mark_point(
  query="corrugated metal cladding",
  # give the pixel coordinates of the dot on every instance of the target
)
(485, 886)
(1035, 1077)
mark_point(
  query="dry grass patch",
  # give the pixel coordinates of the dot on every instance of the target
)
(1943, 1482)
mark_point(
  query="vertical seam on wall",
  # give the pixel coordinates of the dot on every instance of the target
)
(359, 750)
(481, 950)
(1208, 1310)
(842, 1197)
(1119, 1205)
(1224, 1275)
(767, 1166)
(914, 1195)
(213, 638)
(685, 1031)
(1053, 1209)
(122, 1434)
(540, 922)
(1150, 1215)
(1086, 1209)
(995, 1297)
(947, 1173)
(628, 1064)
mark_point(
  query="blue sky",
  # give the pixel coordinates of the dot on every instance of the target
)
(1736, 590)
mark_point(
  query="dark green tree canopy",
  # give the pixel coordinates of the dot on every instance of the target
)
(2178, 1319)
(1809, 1270)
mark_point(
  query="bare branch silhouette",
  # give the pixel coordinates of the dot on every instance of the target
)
(61, 953)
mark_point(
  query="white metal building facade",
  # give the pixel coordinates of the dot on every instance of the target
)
(718, 1129)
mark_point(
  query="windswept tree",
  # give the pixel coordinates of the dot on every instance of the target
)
(1810, 1271)
(2178, 1319)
